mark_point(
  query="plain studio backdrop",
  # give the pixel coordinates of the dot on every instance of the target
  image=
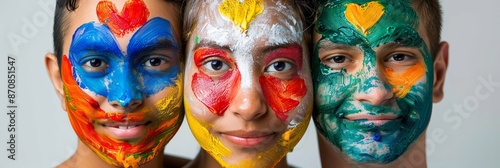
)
(463, 130)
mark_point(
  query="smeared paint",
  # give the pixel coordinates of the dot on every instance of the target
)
(241, 14)
(133, 15)
(267, 158)
(293, 52)
(214, 94)
(360, 140)
(282, 96)
(365, 16)
(206, 140)
(119, 81)
(83, 111)
(250, 50)
(402, 82)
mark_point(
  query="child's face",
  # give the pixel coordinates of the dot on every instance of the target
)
(122, 78)
(248, 89)
(373, 76)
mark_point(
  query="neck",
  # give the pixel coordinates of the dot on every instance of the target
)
(203, 159)
(84, 157)
(413, 157)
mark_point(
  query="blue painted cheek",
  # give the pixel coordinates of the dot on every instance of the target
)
(157, 81)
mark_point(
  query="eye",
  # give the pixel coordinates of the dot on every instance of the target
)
(157, 62)
(279, 66)
(399, 57)
(337, 61)
(95, 65)
(215, 65)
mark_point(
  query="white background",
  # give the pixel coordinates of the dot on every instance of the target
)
(466, 118)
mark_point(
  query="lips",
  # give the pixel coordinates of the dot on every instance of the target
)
(378, 120)
(125, 131)
(248, 138)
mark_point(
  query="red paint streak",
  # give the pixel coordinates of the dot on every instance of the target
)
(214, 94)
(282, 96)
(83, 111)
(133, 15)
(204, 53)
(293, 52)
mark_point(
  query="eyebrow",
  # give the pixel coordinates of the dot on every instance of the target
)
(328, 45)
(210, 44)
(94, 37)
(154, 35)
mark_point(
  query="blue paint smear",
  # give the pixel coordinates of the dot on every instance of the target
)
(125, 79)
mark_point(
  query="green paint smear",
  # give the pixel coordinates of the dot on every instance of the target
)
(334, 89)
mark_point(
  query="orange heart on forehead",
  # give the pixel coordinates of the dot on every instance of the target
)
(365, 16)
(133, 15)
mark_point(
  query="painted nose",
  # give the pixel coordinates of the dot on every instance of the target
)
(374, 89)
(124, 92)
(249, 104)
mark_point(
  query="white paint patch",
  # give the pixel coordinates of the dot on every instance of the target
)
(275, 26)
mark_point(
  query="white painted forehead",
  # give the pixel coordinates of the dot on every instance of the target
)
(278, 24)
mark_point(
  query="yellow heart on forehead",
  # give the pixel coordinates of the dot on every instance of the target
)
(241, 13)
(363, 17)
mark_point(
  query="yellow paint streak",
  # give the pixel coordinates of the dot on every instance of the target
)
(402, 82)
(285, 144)
(365, 16)
(241, 14)
(206, 140)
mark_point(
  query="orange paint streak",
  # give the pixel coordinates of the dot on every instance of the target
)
(83, 111)
(402, 82)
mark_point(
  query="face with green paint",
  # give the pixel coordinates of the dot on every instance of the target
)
(121, 78)
(373, 76)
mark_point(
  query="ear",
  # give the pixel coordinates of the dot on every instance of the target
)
(440, 66)
(55, 76)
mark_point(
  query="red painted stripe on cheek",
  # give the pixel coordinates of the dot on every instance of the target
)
(282, 96)
(215, 95)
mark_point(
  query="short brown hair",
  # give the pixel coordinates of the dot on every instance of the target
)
(430, 13)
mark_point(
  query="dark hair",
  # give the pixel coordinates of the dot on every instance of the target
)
(430, 13)
(61, 23)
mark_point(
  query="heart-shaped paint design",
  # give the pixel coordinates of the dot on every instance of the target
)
(215, 95)
(241, 14)
(282, 96)
(365, 16)
(402, 82)
(133, 15)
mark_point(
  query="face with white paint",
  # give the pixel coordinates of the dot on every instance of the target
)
(248, 92)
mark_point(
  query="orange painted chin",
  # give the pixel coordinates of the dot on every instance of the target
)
(155, 126)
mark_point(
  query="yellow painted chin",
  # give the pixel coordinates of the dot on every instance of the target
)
(268, 158)
(241, 14)
(363, 17)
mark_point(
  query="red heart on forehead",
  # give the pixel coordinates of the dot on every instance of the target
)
(133, 15)
(215, 95)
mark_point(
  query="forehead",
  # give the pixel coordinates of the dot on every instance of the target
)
(86, 12)
(279, 23)
(380, 17)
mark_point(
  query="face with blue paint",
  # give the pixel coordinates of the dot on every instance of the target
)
(122, 91)
(373, 78)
